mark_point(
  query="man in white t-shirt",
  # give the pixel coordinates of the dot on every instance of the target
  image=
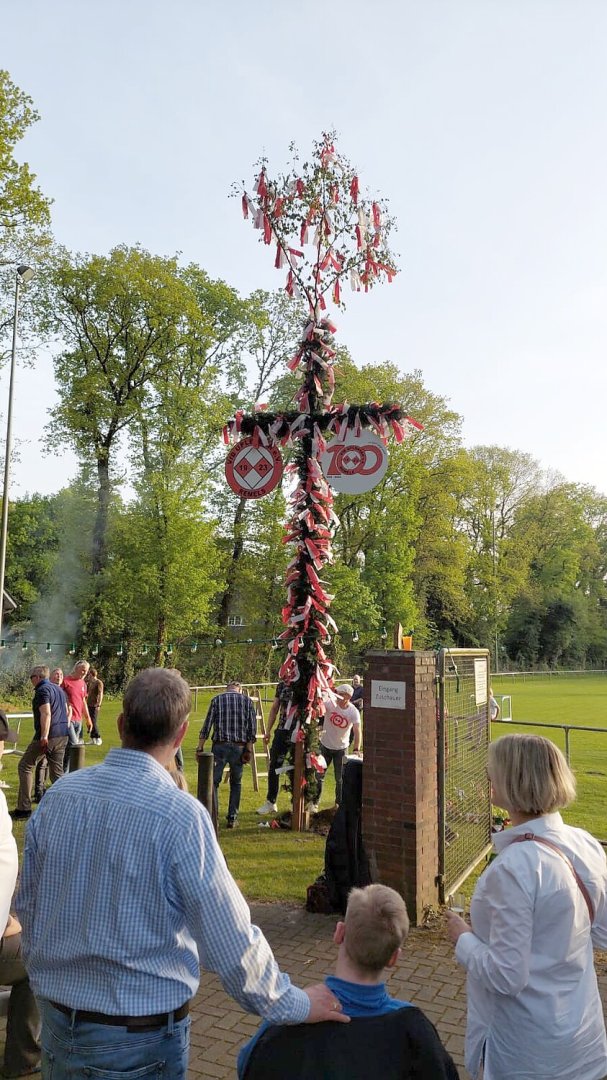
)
(340, 717)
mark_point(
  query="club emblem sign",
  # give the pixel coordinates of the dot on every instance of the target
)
(355, 463)
(253, 471)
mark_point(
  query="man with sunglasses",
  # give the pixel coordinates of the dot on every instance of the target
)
(50, 738)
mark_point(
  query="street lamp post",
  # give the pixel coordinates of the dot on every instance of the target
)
(23, 275)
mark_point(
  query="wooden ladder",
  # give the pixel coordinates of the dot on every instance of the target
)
(264, 754)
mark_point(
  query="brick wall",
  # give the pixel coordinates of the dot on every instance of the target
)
(400, 793)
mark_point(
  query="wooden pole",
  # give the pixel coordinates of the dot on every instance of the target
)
(205, 790)
(300, 818)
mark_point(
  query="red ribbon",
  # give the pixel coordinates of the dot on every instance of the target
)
(261, 188)
(354, 190)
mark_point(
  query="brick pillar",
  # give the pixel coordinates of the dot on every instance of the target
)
(400, 788)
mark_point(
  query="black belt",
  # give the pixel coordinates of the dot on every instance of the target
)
(131, 1023)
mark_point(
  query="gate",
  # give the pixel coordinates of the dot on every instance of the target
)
(464, 794)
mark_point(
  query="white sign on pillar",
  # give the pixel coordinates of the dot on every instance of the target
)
(387, 695)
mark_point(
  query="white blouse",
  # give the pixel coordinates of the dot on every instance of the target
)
(533, 999)
(8, 863)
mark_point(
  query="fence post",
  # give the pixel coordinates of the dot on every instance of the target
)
(76, 758)
(206, 791)
(567, 753)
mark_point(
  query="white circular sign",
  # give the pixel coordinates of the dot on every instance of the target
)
(356, 463)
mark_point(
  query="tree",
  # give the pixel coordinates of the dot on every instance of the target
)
(32, 543)
(391, 533)
(124, 322)
(24, 210)
(501, 482)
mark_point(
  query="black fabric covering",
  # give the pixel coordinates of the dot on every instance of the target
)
(401, 1045)
(346, 865)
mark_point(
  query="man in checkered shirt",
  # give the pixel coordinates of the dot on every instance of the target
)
(233, 722)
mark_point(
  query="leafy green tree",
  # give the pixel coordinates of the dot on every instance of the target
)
(24, 210)
(389, 532)
(32, 543)
(501, 481)
(124, 323)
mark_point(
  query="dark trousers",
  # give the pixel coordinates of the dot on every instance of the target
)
(228, 754)
(33, 753)
(22, 1049)
(94, 713)
(337, 757)
(40, 780)
(278, 752)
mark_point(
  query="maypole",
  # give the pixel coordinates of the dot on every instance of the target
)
(324, 234)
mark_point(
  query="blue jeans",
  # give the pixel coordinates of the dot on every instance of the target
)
(230, 754)
(337, 757)
(72, 1049)
(74, 732)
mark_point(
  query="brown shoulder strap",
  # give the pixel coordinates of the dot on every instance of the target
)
(559, 851)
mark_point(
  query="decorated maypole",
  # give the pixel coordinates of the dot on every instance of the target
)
(324, 235)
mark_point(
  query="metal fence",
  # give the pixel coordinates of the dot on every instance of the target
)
(463, 739)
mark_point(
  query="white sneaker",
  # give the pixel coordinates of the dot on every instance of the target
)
(315, 808)
(268, 808)
(97, 742)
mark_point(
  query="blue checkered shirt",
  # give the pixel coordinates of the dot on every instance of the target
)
(125, 893)
(232, 718)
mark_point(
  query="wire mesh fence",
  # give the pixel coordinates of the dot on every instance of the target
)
(464, 791)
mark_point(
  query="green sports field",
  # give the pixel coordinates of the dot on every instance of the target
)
(577, 701)
(271, 864)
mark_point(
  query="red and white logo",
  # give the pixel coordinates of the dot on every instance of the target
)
(338, 720)
(253, 471)
(356, 463)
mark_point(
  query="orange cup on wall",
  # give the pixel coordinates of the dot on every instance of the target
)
(408, 642)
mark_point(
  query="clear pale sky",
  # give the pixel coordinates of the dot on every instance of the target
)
(482, 122)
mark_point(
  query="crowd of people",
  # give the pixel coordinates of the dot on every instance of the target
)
(125, 895)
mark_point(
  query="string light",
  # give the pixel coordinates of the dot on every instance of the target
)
(69, 647)
(355, 636)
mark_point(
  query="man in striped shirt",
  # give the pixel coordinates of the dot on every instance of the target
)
(125, 894)
(232, 720)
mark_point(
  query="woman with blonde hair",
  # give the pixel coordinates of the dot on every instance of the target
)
(534, 1011)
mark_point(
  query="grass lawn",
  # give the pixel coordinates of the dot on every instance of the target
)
(268, 864)
(579, 701)
(271, 864)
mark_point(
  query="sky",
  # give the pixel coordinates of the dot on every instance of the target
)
(481, 121)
